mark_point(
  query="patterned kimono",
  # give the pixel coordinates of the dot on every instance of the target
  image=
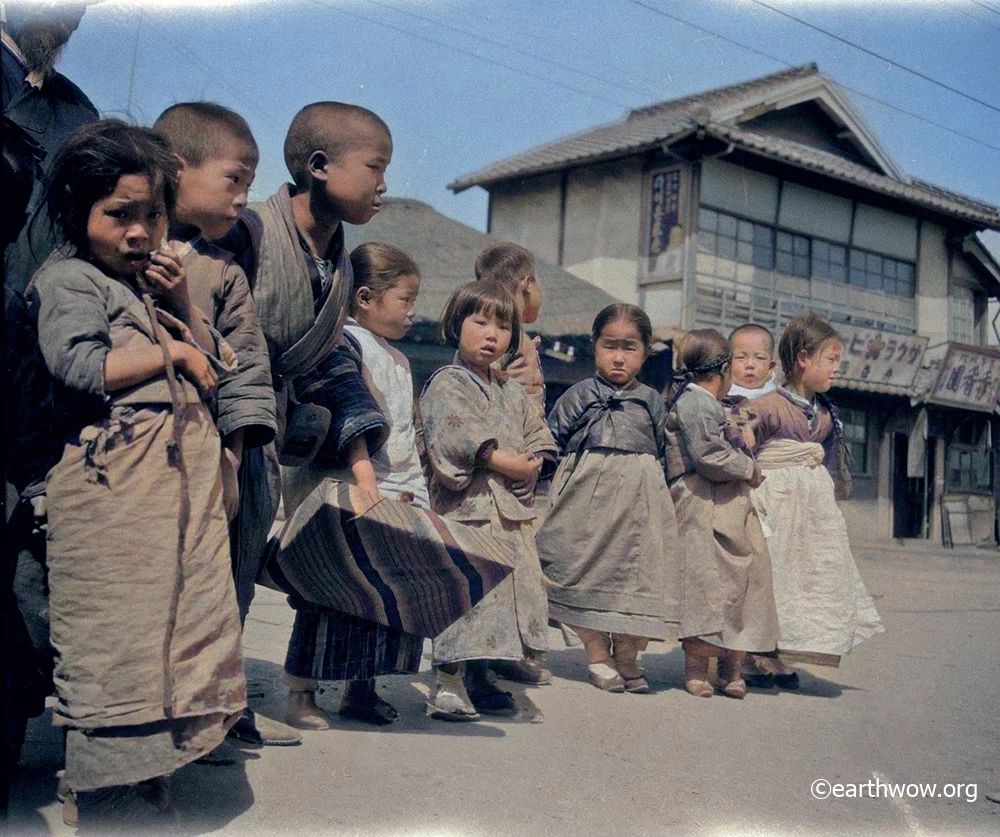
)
(726, 592)
(604, 543)
(824, 609)
(464, 419)
(144, 615)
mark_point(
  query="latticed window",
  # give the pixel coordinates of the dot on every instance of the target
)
(856, 439)
(735, 239)
(792, 254)
(962, 314)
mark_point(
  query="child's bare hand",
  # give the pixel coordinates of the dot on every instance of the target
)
(370, 495)
(230, 483)
(524, 466)
(757, 477)
(194, 365)
(168, 280)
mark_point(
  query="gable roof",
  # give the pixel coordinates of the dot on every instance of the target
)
(725, 113)
(446, 252)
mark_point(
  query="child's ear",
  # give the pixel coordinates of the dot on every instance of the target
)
(363, 297)
(771, 366)
(318, 162)
(182, 164)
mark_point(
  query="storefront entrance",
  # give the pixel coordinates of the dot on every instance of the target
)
(911, 500)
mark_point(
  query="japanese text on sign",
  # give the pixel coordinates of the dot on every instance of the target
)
(969, 378)
(880, 357)
(665, 201)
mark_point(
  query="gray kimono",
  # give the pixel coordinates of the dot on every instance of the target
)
(727, 598)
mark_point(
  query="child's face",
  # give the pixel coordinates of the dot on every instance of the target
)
(619, 352)
(355, 182)
(211, 195)
(389, 315)
(818, 372)
(123, 227)
(484, 339)
(752, 363)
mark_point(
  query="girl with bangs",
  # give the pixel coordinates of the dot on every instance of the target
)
(485, 441)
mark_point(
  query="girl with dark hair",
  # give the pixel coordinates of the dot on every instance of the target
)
(485, 441)
(143, 610)
(726, 596)
(823, 607)
(605, 540)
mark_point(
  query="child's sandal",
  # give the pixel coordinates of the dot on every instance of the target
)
(605, 677)
(637, 685)
(699, 688)
(734, 689)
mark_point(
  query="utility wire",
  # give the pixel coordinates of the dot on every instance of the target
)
(978, 20)
(533, 55)
(984, 6)
(135, 63)
(474, 55)
(881, 57)
(212, 72)
(781, 61)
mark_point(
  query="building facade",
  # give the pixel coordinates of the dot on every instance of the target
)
(754, 202)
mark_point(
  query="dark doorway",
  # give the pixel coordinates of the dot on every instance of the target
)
(910, 500)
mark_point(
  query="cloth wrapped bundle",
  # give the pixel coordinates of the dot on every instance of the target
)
(824, 609)
(394, 564)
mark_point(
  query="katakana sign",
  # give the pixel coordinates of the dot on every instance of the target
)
(880, 357)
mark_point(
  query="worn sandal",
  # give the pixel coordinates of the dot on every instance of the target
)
(606, 677)
(450, 701)
(787, 681)
(636, 685)
(734, 689)
(378, 712)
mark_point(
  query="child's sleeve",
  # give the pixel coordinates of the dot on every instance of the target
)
(564, 417)
(338, 385)
(246, 396)
(457, 429)
(537, 437)
(704, 438)
(74, 333)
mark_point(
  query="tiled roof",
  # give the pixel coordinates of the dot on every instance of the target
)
(446, 252)
(668, 122)
(823, 162)
(642, 129)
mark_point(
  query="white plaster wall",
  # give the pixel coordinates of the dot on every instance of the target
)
(932, 284)
(885, 232)
(741, 191)
(527, 213)
(815, 213)
(664, 303)
(603, 225)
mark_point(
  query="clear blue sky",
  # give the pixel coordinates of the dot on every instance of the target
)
(463, 83)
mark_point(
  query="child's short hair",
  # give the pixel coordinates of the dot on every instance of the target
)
(623, 311)
(379, 267)
(506, 263)
(198, 131)
(89, 165)
(330, 127)
(806, 333)
(703, 353)
(750, 328)
(480, 297)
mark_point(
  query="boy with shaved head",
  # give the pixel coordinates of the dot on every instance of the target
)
(216, 157)
(292, 249)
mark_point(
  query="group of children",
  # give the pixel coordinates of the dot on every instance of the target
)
(194, 368)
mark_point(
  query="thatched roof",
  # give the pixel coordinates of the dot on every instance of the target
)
(446, 252)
